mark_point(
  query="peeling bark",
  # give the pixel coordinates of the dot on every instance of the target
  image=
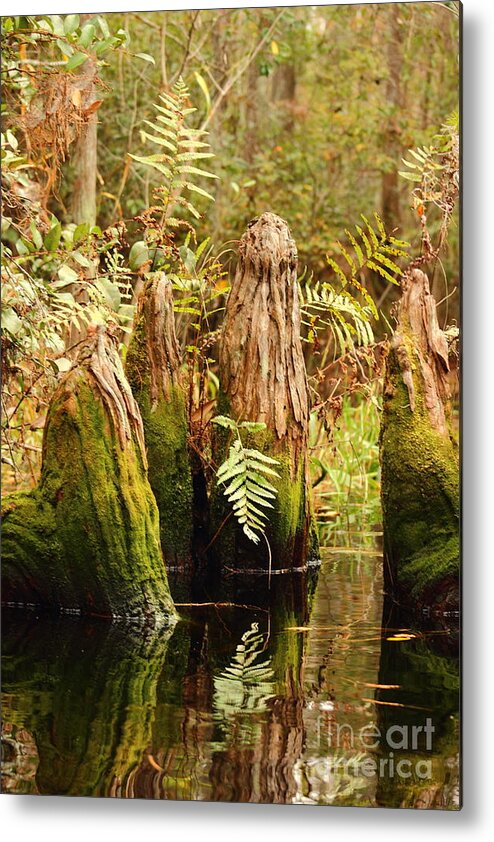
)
(419, 457)
(87, 538)
(262, 366)
(263, 378)
(153, 368)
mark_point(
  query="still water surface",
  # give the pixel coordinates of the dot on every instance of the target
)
(279, 698)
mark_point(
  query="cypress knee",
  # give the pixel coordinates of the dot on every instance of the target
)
(419, 457)
(87, 538)
(153, 369)
(263, 379)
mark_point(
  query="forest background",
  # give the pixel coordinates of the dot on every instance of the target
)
(310, 112)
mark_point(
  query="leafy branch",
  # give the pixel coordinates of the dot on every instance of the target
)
(435, 170)
(245, 686)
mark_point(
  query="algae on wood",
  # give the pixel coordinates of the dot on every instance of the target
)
(87, 538)
(263, 379)
(419, 457)
(153, 369)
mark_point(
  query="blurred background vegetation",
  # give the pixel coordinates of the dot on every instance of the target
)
(309, 112)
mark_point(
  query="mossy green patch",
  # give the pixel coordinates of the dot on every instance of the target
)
(164, 416)
(88, 538)
(420, 489)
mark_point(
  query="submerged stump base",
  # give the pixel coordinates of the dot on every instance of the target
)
(419, 459)
(86, 539)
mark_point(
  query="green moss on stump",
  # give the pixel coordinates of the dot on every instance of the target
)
(87, 538)
(420, 471)
(152, 367)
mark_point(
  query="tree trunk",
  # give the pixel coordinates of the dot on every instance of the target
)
(85, 156)
(392, 145)
(419, 457)
(153, 369)
(87, 538)
(263, 379)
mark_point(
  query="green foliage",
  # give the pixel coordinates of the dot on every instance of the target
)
(435, 172)
(181, 147)
(325, 306)
(245, 473)
(348, 321)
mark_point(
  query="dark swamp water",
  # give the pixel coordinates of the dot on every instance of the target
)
(308, 691)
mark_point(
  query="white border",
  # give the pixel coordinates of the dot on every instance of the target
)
(77, 819)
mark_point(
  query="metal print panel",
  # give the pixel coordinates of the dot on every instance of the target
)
(230, 436)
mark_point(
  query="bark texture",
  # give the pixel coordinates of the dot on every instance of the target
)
(153, 369)
(419, 456)
(87, 538)
(263, 378)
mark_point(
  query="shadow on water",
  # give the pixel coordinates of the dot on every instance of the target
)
(266, 691)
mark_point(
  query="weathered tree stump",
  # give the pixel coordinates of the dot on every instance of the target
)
(419, 458)
(153, 369)
(87, 538)
(263, 379)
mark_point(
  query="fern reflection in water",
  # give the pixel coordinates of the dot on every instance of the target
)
(242, 691)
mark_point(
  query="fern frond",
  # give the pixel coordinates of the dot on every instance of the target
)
(372, 246)
(244, 687)
(348, 320)
(246, 474)
(181, 148)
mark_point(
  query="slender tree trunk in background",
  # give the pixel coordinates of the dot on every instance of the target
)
(419, 458)
(263, 378)
(251, 113)
(283, 88)
(390, 206)
(153, 369)
(87, 538)
(85, 155)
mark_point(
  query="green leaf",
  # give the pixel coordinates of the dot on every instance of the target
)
(37, 238)
(138, 255)
(67, 275)
(145, 57)
(110, 292)
(75, 61)
(11, 321)
(104, 26)
(81, 232)
(70, 24)
(224, 421)
(52, 239)
(204, 88)
(87, 34)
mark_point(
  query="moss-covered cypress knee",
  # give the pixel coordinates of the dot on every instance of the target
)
(87, 538)
(153, 370)
(263, 379)
(419, 457)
